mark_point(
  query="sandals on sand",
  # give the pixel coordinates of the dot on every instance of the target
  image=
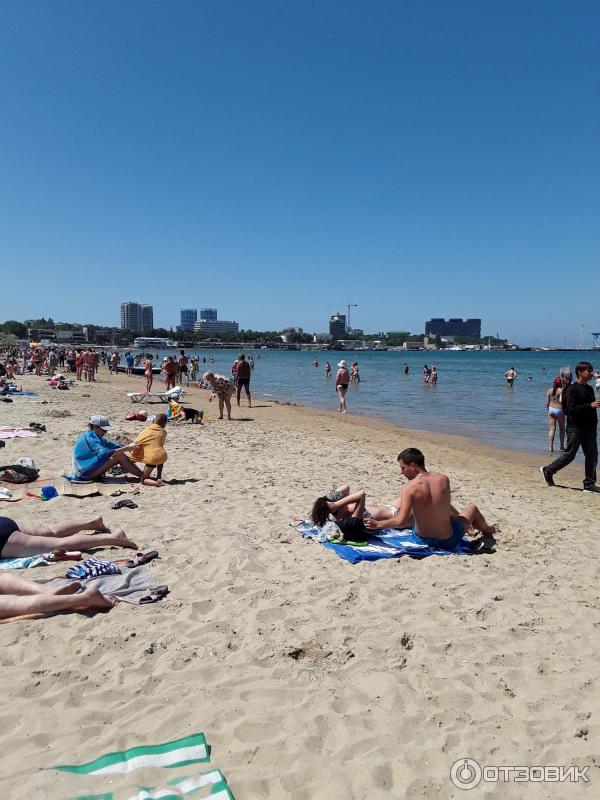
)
(124, 504)
(154, 595)
(142, 558)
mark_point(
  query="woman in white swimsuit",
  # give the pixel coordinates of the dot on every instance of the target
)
(555, 414)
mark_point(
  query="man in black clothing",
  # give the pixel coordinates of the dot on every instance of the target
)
(582, 422)
(243, 378)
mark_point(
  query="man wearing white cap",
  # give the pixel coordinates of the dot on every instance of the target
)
(94, 454)
(342, 379)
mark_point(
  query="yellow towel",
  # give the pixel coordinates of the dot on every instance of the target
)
(150, 445)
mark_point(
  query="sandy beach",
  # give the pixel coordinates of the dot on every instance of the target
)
(313, 679)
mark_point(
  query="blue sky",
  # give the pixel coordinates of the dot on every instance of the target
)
(277, 159)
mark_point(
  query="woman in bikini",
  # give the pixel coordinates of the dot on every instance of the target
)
(555, 414)
(18, 540)
(340, 505)
(148, 372)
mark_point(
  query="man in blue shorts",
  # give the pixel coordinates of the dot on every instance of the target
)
(426, 499)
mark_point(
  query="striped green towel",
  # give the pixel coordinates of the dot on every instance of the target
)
(208, 785)
(189, 750)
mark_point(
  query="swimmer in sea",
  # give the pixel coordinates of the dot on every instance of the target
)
(510, 376)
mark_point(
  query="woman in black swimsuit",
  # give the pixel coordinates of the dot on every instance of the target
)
(17, 541)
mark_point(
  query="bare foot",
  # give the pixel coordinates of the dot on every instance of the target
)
(68, 588)
(491, 529)
(93, 598)
(98, 525)
(122, 541)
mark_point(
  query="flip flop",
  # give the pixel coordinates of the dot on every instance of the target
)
(142, 558)
(154, 595)
(124, 504)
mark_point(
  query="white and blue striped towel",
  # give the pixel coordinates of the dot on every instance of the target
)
(386, 543)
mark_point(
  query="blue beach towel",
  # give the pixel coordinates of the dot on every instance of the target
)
(26, 562)
(386, 543)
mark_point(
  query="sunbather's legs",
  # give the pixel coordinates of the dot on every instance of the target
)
(472, 517)
(12, 584)
(117, 458)
(15, 605)
(22, 544)
(147, 480)
(66, 528)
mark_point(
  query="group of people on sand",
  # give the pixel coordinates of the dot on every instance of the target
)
(94, 454)
(424, 507)
(224, 388)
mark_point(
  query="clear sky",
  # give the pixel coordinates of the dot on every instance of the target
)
(278, 159)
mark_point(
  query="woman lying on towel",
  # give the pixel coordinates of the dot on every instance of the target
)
(19, 597)
(18, 541)
(348, 511)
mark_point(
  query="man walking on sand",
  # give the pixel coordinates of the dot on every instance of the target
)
(243, 378)
(580, 404)
(426, 500)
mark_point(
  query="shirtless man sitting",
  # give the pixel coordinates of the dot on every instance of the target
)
(426, 498)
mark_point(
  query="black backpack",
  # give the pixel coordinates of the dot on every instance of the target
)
(15, 473)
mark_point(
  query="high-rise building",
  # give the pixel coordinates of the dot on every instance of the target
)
(131, 316)
(137, 317)
(337, 325)
(209, 314)
(188, 317)
(147, 317)
(453, 327)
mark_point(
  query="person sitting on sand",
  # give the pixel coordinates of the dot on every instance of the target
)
(93, 454)
(19, 597)
(149, 448)
(221, 388)
(19, 541)
(426, 498)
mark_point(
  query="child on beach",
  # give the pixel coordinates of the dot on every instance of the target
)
(149, 448)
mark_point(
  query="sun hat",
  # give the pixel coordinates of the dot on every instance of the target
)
(342, 363)
(100, 422)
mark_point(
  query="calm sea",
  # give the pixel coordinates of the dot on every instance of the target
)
(470, 399)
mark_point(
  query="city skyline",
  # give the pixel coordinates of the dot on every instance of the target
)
(420, 160)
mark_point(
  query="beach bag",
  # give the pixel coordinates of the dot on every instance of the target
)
(17, 473)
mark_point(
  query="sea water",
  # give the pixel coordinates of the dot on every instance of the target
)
(471, 397)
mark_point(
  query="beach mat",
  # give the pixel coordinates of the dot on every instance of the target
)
(386, 543)
(117, 768)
